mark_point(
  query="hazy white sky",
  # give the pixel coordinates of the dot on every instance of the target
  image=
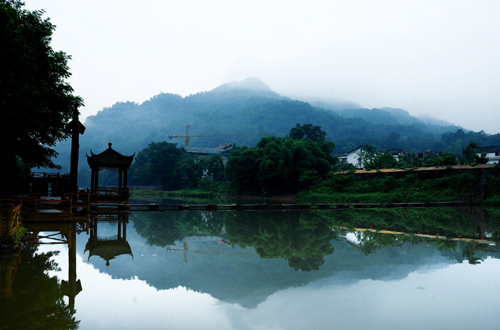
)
(440, 58)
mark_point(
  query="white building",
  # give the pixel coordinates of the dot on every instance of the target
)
(493, 153)
(352, 157)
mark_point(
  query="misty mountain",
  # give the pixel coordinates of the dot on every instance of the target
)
(237, 108)
(394, 116)
(434, 121)
(330, 104)
(253, 84)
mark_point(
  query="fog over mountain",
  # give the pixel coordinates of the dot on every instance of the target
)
(437, 58)
(242, 112)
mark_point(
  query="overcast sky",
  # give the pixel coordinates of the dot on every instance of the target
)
(437, 57)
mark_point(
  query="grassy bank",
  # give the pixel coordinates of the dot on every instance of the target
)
(196, 193)
(205, 190)
(493, 191)
(492, 200)
(349, 189)
(387, 189)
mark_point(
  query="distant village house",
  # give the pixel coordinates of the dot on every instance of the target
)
(352, 157)
(492, 152)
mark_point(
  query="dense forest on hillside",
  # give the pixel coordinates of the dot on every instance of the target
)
(252, 107)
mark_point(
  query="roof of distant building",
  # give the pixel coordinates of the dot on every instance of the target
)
(422, 169)
(394, 151)
(208, 151)
(490, 149)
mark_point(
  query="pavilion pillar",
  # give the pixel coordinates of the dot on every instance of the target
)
(125, 179)
(96, 183)
(120, 176)
(92, 179)
(119, 230)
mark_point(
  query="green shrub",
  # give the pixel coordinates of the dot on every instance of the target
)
(388, 189)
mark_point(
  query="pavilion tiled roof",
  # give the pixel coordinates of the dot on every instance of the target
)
(108, 249)
(109, 158)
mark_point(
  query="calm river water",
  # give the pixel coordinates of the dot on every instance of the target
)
(351, 269)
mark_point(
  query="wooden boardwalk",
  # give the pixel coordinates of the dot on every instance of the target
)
(152, 207)
(59, 209)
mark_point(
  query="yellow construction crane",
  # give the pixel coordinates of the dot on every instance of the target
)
(188, 137)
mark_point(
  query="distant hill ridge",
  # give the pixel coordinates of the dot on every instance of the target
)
(244, 107)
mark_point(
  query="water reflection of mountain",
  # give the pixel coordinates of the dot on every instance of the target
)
(184, 256)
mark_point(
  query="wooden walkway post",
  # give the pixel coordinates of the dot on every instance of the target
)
(10, 220)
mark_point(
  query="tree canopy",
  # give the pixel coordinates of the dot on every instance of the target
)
(281, 165)
(36, 100)
(155, 164)
(307, 131)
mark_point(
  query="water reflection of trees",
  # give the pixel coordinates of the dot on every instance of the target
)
(446, 222)
(369, 242)
(305, 238)
(493, 216)
(301, 238)
(163, 229)
(37, 298)
(451, 226)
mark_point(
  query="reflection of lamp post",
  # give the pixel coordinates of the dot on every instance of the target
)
(185, 246)
(73, 286)
(7, 266)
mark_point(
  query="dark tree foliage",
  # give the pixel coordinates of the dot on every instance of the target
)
(193, 172)
(280, 165)
(188, 172)
(163, 232)
(37, 300)
(242, 168)
(36, 101)
(366, 156)
(307, 131)
(303, 241)
(156, 229)
(155, 165)
(213, 168)
(384, 160)
(469, 156)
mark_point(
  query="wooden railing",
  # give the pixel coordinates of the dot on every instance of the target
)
(10, 217)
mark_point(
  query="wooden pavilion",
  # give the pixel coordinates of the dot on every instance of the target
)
(109, 159)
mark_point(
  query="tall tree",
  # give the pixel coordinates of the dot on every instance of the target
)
(307, 131)
(155, 165)
(280, 165)
(36, 100)
(366, 156)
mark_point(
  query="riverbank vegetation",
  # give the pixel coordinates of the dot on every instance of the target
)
(302, 164)
(493, 198)
(347, 188)
(304, 239)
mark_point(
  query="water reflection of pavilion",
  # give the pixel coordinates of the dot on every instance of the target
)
(109, 248)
